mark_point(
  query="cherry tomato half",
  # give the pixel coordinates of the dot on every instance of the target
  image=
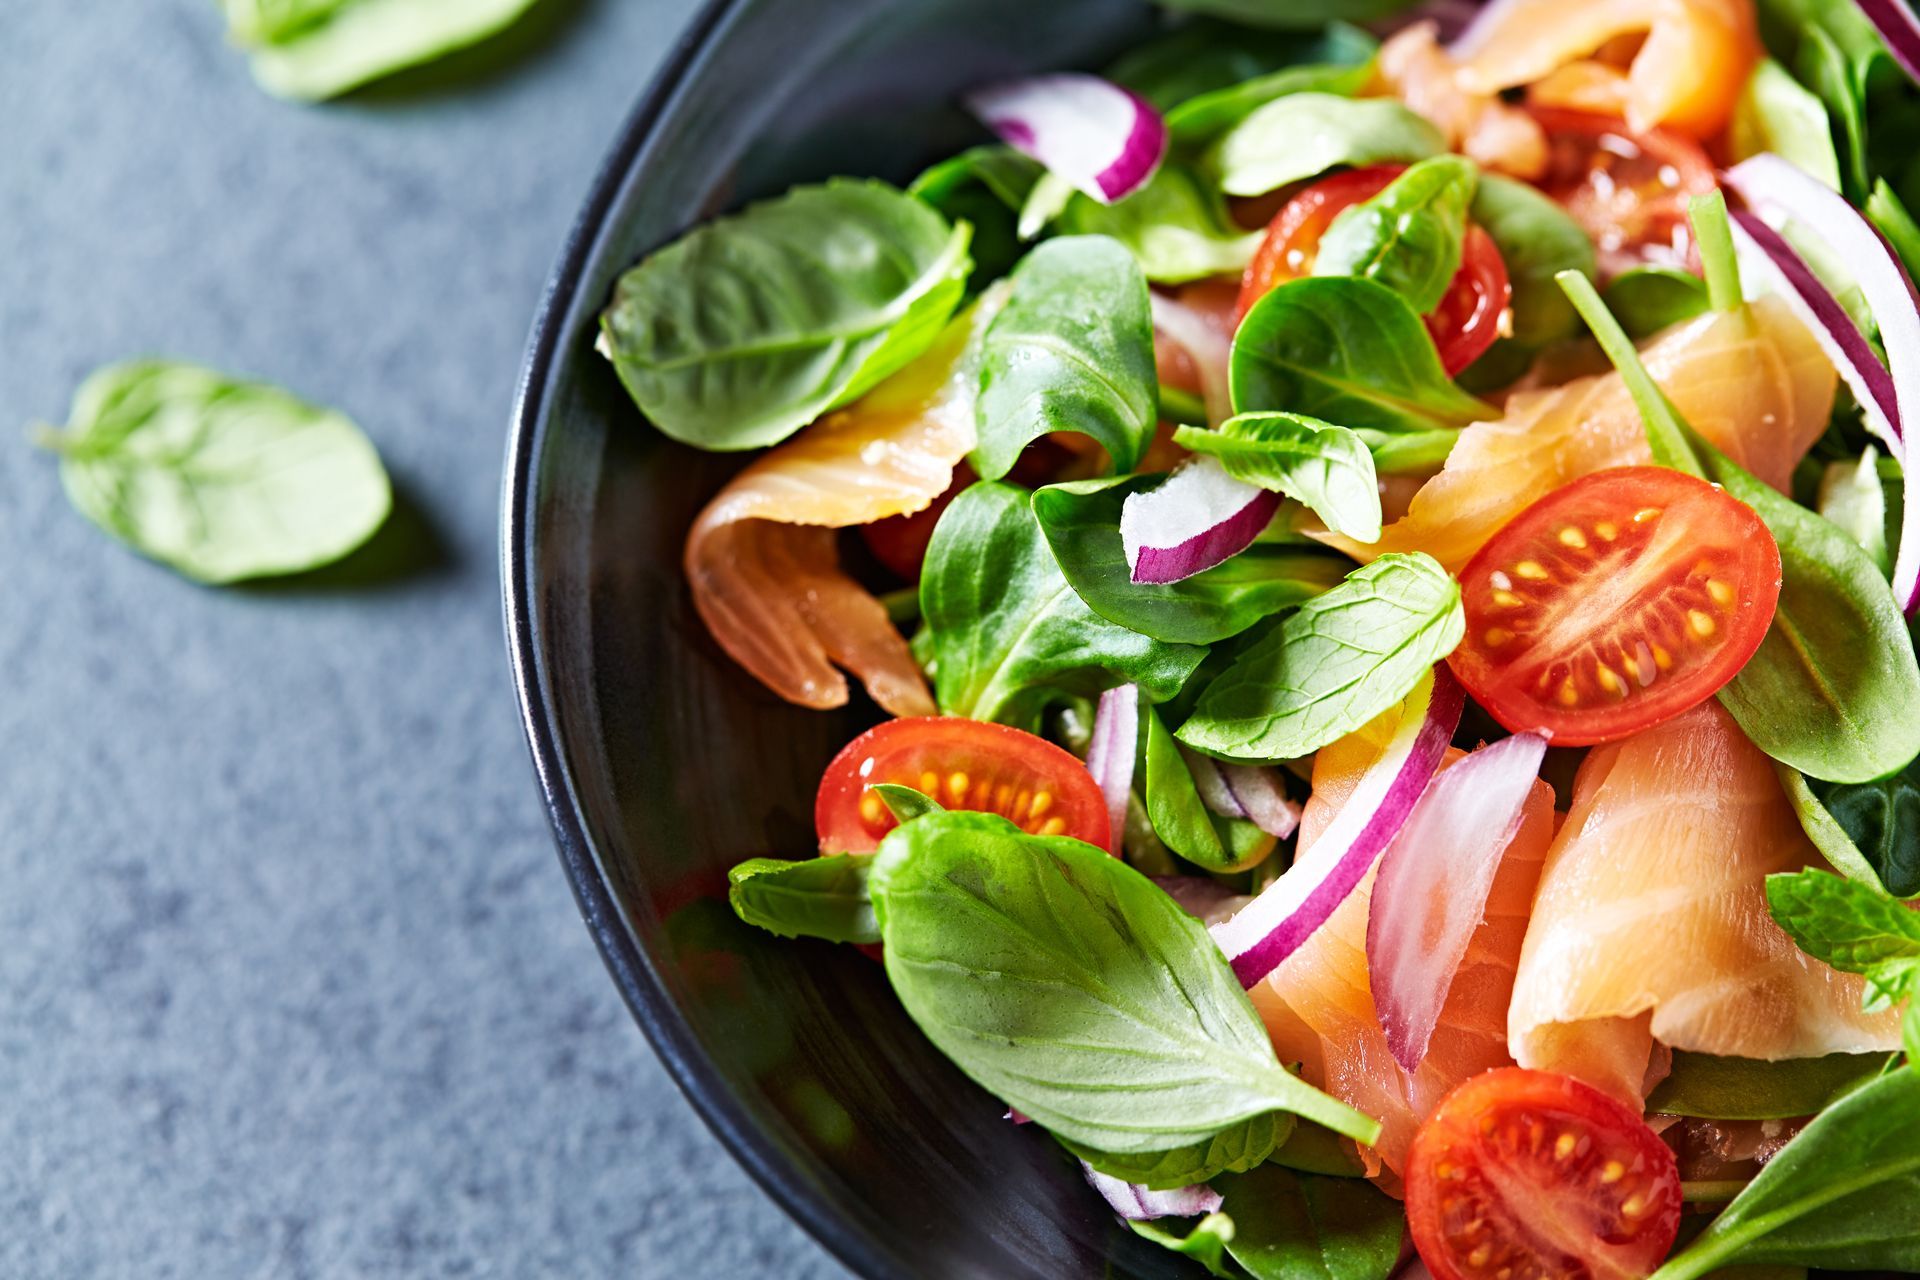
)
(1467, 320)
(1528, 1173)
(963, 764)
(900, 542)
(1614, 603)
(1628, 191)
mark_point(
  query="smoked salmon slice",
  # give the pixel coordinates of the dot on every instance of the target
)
(1651, 926)
(1318, 1005)
(1753, 381)
(761, 558)
(1490, 132)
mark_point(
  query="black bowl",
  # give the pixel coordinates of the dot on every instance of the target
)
(662, 763)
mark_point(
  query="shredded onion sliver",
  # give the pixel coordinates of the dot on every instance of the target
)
(1252, 793)
(1134, 1202)
(1110, 755)
(1104, 139)
(1196, 518)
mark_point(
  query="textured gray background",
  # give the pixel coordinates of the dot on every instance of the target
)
(290, 982)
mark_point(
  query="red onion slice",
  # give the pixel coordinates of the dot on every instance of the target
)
(1104, 139)
(1898, 27)
(1433, 884)
(1116, 740)
(1132, 1201)
(1286, 913)
(1197, 518)
(1246, 791)
(1210, 350)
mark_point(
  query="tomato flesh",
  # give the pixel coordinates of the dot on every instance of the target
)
(961, 764)
(1628, 191)
(1467, 320)
(1614, 603)
(1528, 1173)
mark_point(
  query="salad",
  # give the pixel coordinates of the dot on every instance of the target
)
(1388, 559)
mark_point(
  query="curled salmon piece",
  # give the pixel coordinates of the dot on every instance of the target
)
(1493, 134)
(1318, 1005)
(761, 558)
(1650, 931)
(1753, 381)
(1686, 74)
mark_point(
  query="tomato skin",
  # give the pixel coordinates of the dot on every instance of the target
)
(961, 764)
(1628, 191)
(1614, 603)
(900, 542)
(1522, 1172)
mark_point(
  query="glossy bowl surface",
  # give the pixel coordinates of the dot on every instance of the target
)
(662, 764)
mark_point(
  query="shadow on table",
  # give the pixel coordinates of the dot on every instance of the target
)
(539, 30)
(407, 549)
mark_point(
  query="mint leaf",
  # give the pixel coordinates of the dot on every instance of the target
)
(1327, 467)
(1849, 926)
(812, 898)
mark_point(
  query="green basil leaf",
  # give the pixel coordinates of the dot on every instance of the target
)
(1327, 467)
(1538, 240)
(812, 898)
(1071, 351)
(1231, 1150)
(1314, 1149)
(1830, 838)
(1776, 113)
(1338, 662)
(1347, 351)
(1068, 984)
(1841, 1195)
(1175, 227)
(1289, 1225)
(1007, 635)
(1293, 14)
(985, 188)
(218, 478)
(1081, 522)
(1646, 300)
(1201, 119)
(1410, 237)
(1206, 1243)
(1304, 134)
(749, 327)
(1181, 818)
(314, 49)
(1204, 54)
(1716, 1088)
(1853, 497)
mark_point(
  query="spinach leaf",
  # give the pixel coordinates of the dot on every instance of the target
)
(1081, 522)
(1204, 54)
(984, 188)
(1176, 228)
(1007, 635)
(1304, 134)
(1841, 1195)
(1538, 240)
(1410, 236)
(1347, 351)
(749, 327)
(1293, 13)
(1829, 837)
(1314, 1149)
(1288, 1225)
(812, 898)
(1241, 1147)
(1327, 467)
(1071, 351)
(1201, 119)
(1776, 113)
(218, 478)
(1856, 929)
(1716, 1088)
(1181, 818)
(1338, 662)
(1853, 497)
(1205, 1243)
(1068, 984)
(314, 49)
(1837, 54)
(1881, 820)
(1646, 300)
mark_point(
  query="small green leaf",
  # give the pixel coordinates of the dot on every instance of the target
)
(1410, 237)
(1175, 227)
(1848, 925)
(1538, 239)
(984, 187)
(1775, 113)
(1886, 211)
(812, 898)
(1241, 1147)
(1646, 300)
(1852, 496)
(905, 803)
(314, 49)
(1290, 1225)
(1327, 467)
(1313, 1149)
(1718, 1088)
(1304, 134)
(1836, 843)
(1880, 822)
(218, 478)
(1181, 818)
(1205, 1243)
(1203, 118)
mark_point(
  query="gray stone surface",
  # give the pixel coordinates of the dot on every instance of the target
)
(290, 982)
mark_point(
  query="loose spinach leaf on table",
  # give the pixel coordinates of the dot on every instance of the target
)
(1646, 300)
(218, 478)
(1081, 523)
(812, 898)
(1181, 818)
(985, 187)
(1241, 1147)
(1006, 635)
(749, 327)
(1410, 237)
(1176, 227)
(1072, 987)
(1718, 1088)
(315, 49)
(1840, 1196)
(1288, 1225)
(1201, 119)
(1324, 466)
(1304, 134)
(1202, 55)
(1346, 351)
(1205, 1242)
(1071, 351)
(1538, 240)
(1339, 661)
(1777, 113)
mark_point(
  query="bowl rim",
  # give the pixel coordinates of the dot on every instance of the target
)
(633, 971)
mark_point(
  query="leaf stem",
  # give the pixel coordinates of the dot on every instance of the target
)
(1714, 235)
(1667, 431)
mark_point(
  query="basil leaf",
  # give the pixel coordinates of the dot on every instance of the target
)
(1338, 662)
(1231, 1150)
(1347, 351)
(812, 898)
(1206, 1243)
(1776, 113)
(1646, 300)
(1007, 635)
(1081, 522)
(314, 49)
(1327, 467)
(1716, 1088)
(1538, 240)
(1829, 837)
(1841, 1195)
(1175, 227)
(749, 327)
(1300, 14)
(1410, 237)
(1304, 134)
(1205, 54)
(1066, 983)
(1288, 1225)
(1181, 818)
(985, 188)
(1201, 119)
(218, 478)
(1071, 351)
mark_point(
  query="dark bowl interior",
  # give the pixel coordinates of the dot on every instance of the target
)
(662, 763)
